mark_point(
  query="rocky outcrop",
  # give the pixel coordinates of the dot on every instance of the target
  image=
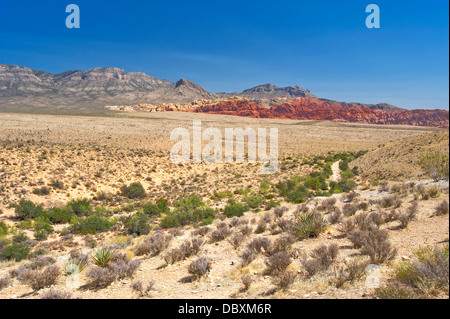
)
(315, 109)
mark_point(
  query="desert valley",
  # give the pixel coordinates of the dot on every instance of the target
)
(92, 207)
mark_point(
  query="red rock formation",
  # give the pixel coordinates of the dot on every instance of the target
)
(315, 109)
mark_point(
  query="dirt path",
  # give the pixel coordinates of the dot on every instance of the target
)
(336, 177)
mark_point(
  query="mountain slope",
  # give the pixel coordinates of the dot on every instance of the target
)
(21, 87)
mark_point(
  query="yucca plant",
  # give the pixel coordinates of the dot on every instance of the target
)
(310, 225)
(102, 257)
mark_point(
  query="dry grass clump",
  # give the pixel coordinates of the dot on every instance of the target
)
(351, 197)
(202, 231)
(261, 227)
(236, 240)
(200, 267)
(426, 193)
(347, 225)
(154, 245)
(261, 244)
(390, 201)
(247, 256)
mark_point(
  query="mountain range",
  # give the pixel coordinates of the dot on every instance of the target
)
(25, 90)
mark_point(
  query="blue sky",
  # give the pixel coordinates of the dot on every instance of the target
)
(323, 46)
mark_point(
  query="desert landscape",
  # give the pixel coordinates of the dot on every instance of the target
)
(92, 207)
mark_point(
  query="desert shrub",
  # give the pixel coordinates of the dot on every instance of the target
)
(405, 217)
(236, 240)
(154, 245)
(56, 295)
(143, 290)
(247, 281)
(247, 256)
(254, 201)
(374, 243)
(118, 267)
(272, 204)
(390, 201)
(102, 257)
(309, 225)
(41, 191)
(15, 251)
(349, 209)
(335, 216)
(59, 215)
(260, 244)
(219, 234)
(283, 243)
(39, 279)
(91, 225)
(428, 271)
(200, 267)
(320, 258)
(100, 277)
(327, 204)
(278, 262)
(133, 191)
(284, 280)
(435, 164)
(27, 209)
(80, 207)
(279, 211)
(122, 266)
(286, 225)
(186, 250)
(246, 230)
(137, 224)
(202, 231)
(58, 184)
(3, 229)
(234, 209)
(187, 211)
(363, 205)
(159, 208)
(354, 269)
(351, 197)
(77, 263)
(4, 282)
(261, 227)
(441, 209)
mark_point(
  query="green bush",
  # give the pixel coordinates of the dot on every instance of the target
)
(137, 224)
(3, 229)
(27, 209)
(182, 217)
(16, 251)
(80, 207)
(435, 164)
(254, 201)
(161, 207)
(133, 191)
(309, 225)
(91, 225)
(234, 209)
(59, 215)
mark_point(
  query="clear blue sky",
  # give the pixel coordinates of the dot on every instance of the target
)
(232, 45)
